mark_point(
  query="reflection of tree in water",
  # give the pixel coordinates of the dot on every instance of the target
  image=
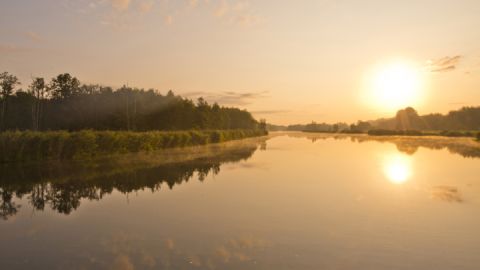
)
(466, 147)
(62, 187)
(7, 206)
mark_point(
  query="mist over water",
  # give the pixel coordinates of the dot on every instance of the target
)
(289, 201)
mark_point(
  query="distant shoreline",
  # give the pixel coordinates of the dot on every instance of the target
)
(410, 133)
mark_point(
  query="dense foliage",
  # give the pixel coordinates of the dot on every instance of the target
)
(61, 145)
(444, 133)
(65, 104)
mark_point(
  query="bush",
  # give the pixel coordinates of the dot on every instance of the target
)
(387, 132)
(61, 145)
(384, 132)
(453, 133)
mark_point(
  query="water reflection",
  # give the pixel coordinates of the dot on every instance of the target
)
(323, 205)
(397, 168)
(446, 193)
(237, 252)
(466, 147)
(62, 186)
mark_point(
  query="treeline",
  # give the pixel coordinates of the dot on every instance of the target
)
(460, 123)
(443, 133)
(466, 118)
(312, 127)
(66, 104)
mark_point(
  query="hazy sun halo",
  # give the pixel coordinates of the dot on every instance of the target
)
(395, 86)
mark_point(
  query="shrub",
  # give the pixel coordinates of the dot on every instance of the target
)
(62, 145)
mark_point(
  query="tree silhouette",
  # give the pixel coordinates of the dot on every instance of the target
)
(38, 89)
(65, 104)
(8, 83)
(64, 86)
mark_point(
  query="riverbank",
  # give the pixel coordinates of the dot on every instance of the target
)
(22, 146)
(443, 133)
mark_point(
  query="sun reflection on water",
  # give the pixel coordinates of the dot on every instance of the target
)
(397, 168)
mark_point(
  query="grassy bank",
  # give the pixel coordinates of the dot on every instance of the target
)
(61, 145)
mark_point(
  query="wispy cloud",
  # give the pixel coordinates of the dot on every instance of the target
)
(221, 9)
(447, 63)
(145, 6)
(237, 12)
(168, 19)
(10, 48)
(229, 97)
(265, 112)
(33, 36)
(193, 3)
(120, 5)
(127, 14)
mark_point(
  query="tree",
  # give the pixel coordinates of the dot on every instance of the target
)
(38, 89)
(64, 86)
(408, 119)
(262, 125)
(361, 126)
(72, 106)
(8, 83)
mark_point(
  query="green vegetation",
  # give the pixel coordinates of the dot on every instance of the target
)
(444, 133)
(61, 145)
(66, 104)
(460, 123)
(466, 118)
(388, 132)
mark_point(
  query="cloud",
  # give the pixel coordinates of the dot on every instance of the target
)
(222, 9)
(246, 19)
(270, 111)
(145, 6)
(229, 97)
(459, 103)
(236, 12)
(9, 48)
(444, 64)
(130, 14)
(192, 3)
(120, 5)
(168, 19)
(33, 36)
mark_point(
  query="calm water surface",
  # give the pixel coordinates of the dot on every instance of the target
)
(290, 201)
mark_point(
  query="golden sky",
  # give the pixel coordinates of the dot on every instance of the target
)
(286, 61)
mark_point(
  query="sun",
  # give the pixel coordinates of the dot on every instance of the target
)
(395, 85)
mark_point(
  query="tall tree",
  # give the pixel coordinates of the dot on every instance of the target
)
(65, 86)
(38, 89)
(8, 83)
